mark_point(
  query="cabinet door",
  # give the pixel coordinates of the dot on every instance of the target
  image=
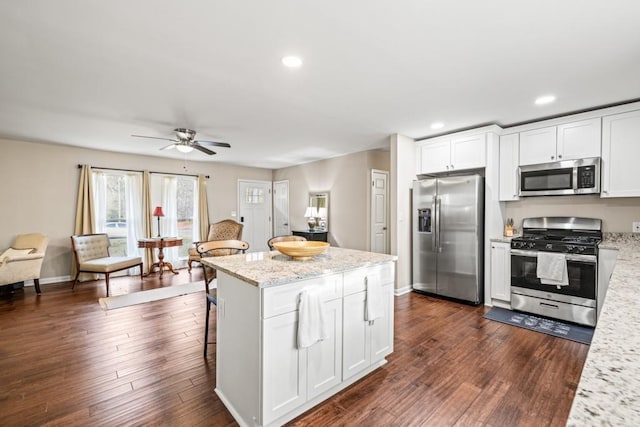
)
(620, 154)
(508, 172)
(500, 271)
(324, 358)
(579, 140)
(435, 156)
(468, 152)
(382, 328)
(538, 146)
(356, 342)
(284, 367)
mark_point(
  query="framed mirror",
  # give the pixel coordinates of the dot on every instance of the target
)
(320, 202)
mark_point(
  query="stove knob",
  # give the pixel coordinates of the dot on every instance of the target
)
(531, 245)
(570, 248)
(580, 248)
(548, 246)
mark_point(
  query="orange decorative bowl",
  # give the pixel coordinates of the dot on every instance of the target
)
(301, 250)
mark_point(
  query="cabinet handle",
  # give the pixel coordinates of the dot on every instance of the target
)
(551, 157)
(447, 167)
(451, 166)
(559, 156)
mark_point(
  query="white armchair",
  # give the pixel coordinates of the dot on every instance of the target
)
(23, 260)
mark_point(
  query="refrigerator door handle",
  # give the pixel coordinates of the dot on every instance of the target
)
(436, 240)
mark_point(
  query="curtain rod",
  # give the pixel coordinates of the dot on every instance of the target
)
(133, 170)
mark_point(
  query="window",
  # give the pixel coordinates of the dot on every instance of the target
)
(119, 208)
(178, 196)
(118, 201)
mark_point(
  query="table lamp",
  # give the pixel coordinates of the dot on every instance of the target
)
(311, 214)
(157, 212)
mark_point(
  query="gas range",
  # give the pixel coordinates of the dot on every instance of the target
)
(575, 240)
(557, 234)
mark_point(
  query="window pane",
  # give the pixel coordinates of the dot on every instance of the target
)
(115, 224)
(185, 203)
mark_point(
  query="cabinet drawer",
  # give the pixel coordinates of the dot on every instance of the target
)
(354, 280)
(284, 299)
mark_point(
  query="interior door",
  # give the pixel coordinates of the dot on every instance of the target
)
(254, 206)
(379, 217)
(281, 225)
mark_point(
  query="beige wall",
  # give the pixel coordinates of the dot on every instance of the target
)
(40, 181)
(616, 213)
(346, 179)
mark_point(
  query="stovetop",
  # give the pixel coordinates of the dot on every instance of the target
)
(560, 234)
(550, 242)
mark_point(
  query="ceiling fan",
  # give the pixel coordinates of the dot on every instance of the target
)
(185, 142)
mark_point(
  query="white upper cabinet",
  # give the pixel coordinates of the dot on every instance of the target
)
(452, 153)
(509, 167)
(435, 156)
(538, 146)
(620, 154)
(577, 140)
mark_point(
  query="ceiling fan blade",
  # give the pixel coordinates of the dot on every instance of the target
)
(214, 143)
(203, 149)
(154, 137)
(168, 147)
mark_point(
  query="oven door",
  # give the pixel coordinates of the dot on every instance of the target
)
(582, 271)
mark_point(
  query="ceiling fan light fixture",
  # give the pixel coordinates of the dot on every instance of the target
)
(184, 148)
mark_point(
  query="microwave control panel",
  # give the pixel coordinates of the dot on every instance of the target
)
(586, 176)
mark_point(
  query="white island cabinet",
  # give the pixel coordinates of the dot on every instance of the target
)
(262, 377)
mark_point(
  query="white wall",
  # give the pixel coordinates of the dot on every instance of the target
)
(403, 167)
(346, 179)
(40, 184)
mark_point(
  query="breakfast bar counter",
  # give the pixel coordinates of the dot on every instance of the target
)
(608, 393)
(268, 369)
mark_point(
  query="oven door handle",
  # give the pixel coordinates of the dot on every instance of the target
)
(520, 252)
(570, 257)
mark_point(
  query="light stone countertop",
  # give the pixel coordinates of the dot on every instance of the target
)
(608, 393)
(264, 269)
(503, 239)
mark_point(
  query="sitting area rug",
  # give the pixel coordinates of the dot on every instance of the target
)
(557, 328)
(141, 297)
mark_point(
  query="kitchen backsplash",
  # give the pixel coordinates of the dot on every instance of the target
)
(617, 214)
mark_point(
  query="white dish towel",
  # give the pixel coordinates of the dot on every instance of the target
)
(552, 269)
(312, 326)
(373, 309)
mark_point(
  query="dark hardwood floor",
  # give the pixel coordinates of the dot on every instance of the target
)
(65, 361)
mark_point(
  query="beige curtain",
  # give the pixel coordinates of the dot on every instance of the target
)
(85, 218)
(203, 208)
(147, 219)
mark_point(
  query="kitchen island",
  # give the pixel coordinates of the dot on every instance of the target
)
(609, 389)
(262, 376)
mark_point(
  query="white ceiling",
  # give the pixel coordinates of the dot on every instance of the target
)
(91, 73)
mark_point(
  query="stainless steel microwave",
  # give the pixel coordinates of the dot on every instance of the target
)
(580, 176)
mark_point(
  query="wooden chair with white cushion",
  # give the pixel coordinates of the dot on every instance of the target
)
(23, 260)
(91, 253)
(209, 249)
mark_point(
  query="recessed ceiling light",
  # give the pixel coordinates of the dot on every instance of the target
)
(292, 61)
(437, 125)
(546, 99)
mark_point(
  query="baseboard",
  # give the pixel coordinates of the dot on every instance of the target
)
(49, 280)
(402, 291)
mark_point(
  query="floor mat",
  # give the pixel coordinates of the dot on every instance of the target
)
(557, 328)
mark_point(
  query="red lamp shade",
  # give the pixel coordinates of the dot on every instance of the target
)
(158, 211)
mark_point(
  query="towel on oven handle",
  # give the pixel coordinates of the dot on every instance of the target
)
(552, 269)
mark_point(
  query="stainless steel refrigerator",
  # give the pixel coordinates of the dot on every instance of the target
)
(448, 234)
